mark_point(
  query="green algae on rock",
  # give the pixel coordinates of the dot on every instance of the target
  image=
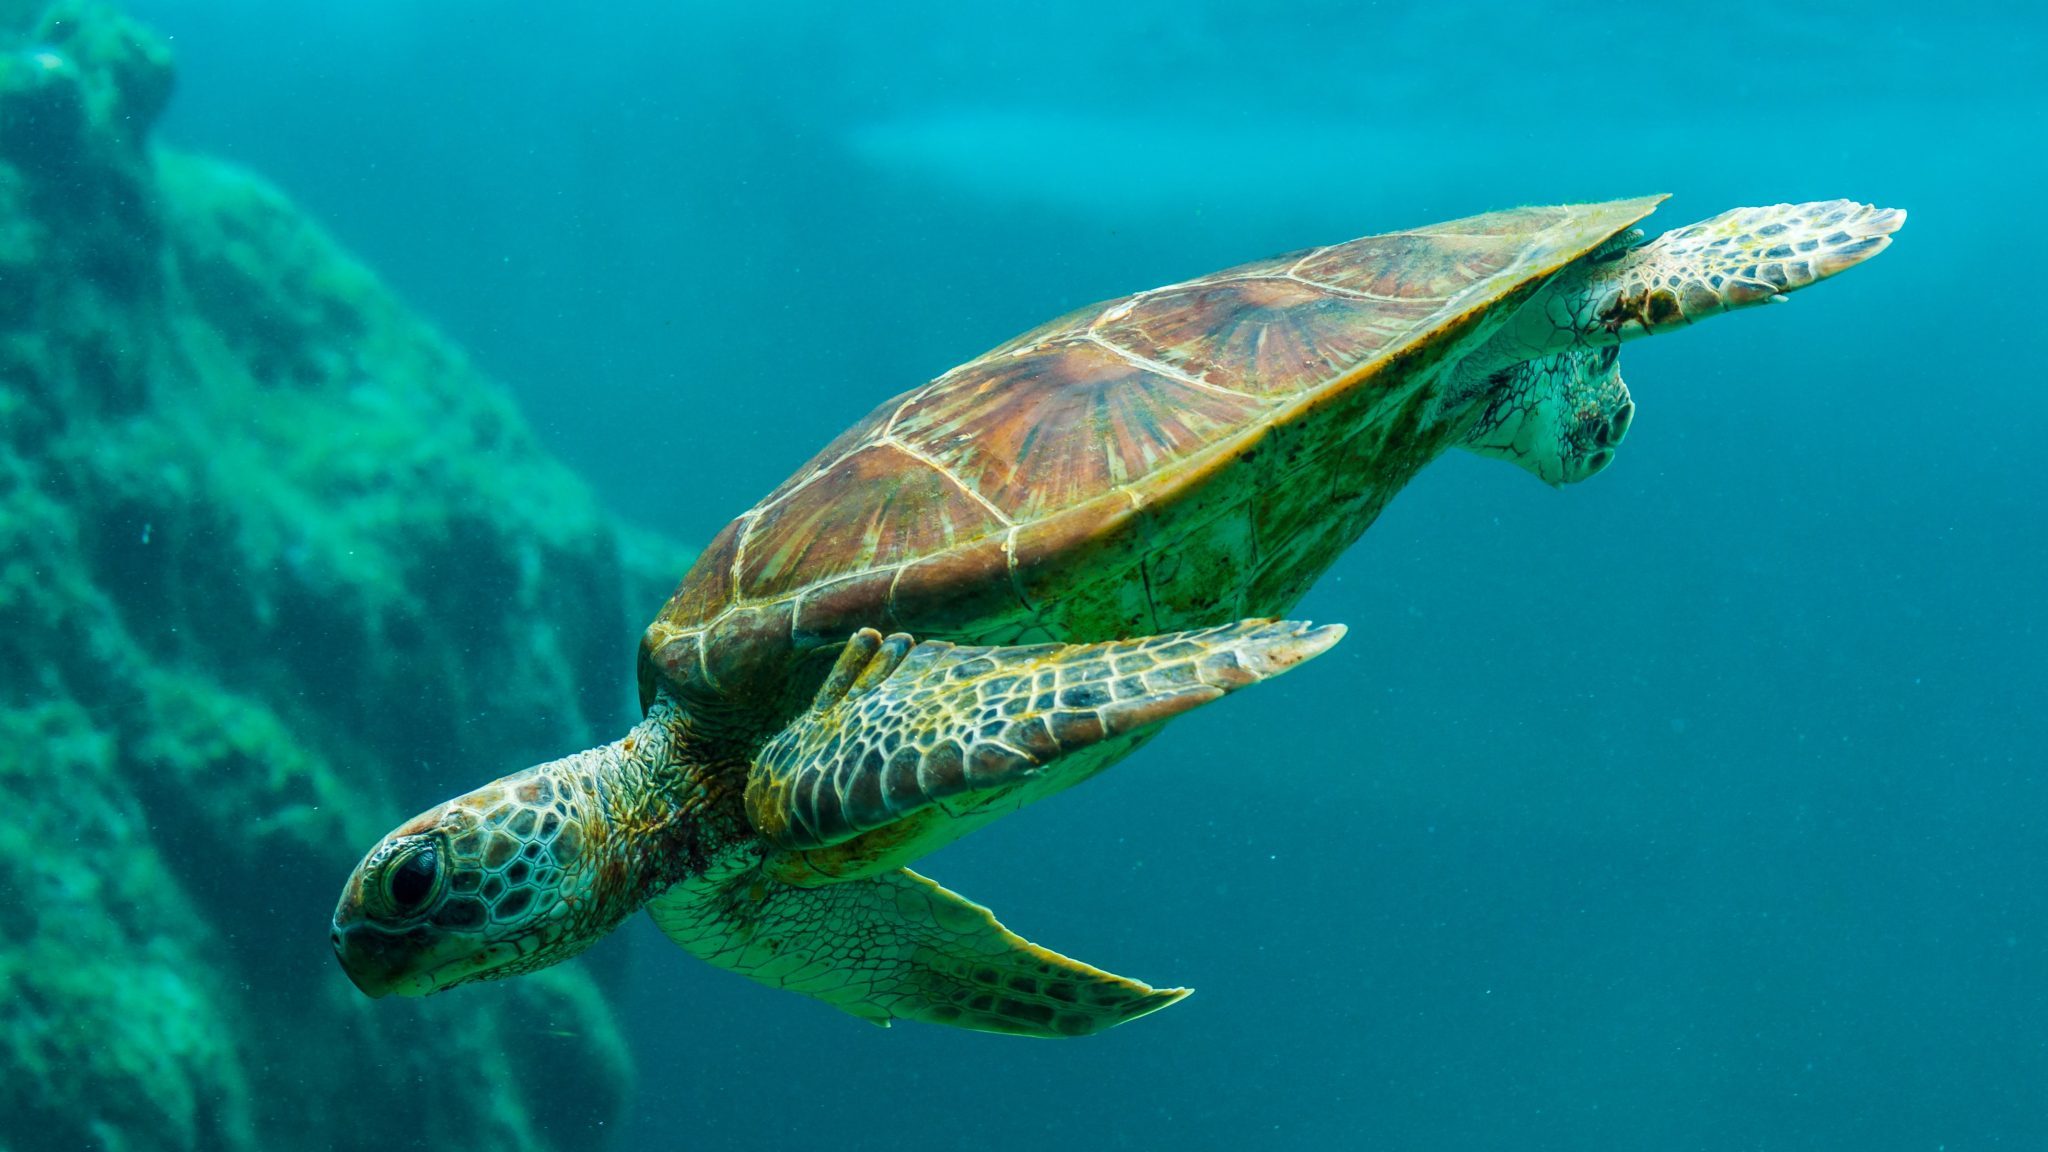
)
(264, 534)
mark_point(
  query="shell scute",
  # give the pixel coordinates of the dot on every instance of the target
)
(931, 596)
(876, 507)
(829, 612)
(1266, 336)
(1111, 597)
(1205, 572)
(1046, 428)
(1516, 221)
(744, 649)
(709, 587)
(1409, 267)
(865, 430)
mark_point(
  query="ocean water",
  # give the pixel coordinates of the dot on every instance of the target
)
(1700, 806)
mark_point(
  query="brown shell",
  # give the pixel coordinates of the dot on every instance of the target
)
(1183, 457)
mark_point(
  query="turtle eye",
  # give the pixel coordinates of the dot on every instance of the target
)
(410, 881)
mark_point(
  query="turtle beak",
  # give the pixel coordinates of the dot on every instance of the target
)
(366, 961)
(378, 960)
(415, 962)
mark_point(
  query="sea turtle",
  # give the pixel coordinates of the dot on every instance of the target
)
(1068, 540)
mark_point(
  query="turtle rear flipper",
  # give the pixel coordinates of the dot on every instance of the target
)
(898, 947)
(909, 746)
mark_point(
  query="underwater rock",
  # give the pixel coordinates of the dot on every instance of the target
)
(276, 565)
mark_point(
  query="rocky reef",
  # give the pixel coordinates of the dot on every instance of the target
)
(278, 567)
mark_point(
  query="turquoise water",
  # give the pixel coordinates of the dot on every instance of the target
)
(1697, 806)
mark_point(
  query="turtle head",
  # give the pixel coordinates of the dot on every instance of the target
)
(509, 878)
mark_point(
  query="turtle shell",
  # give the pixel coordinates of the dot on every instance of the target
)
(1182, 457)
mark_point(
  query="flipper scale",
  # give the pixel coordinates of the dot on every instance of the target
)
(897, 729)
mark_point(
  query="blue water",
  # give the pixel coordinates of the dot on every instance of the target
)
(1701, 806)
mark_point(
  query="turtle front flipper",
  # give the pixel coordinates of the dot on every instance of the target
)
(1560, 417)
(1743, 257)
(898, 947)
(909, 746)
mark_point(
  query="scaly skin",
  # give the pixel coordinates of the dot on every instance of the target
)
(1560, 417)
(907, 749)
(533, 868)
